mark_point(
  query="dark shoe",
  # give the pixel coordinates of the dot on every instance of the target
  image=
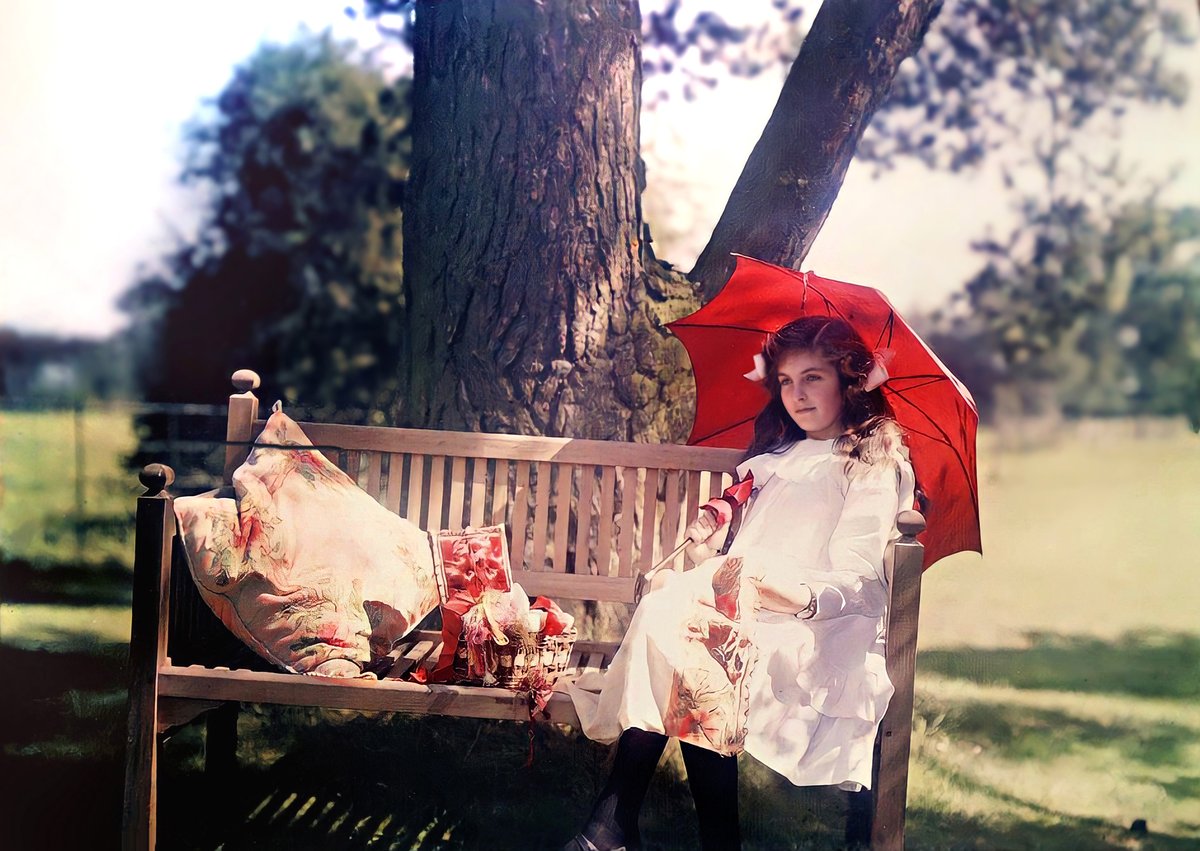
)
(579, 842)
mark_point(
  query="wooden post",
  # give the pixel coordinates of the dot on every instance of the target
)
(155, 529)
(895, 733)
(239, 427)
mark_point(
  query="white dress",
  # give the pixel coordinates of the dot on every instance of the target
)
(811, 697)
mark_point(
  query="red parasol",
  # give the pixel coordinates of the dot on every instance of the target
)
(933, 407)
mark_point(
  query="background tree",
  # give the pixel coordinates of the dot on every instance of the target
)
(1049, 287)
(296, 269)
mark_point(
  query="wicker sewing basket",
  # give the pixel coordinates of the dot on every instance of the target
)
(516, 660)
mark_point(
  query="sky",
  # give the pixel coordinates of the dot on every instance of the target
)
(95, 96)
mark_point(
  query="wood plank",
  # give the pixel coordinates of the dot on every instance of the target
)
(479, 473)
(562, 514)
(711, 484)
(353, 464)
(174, 711)
(500, 492)
(395, 482)
(583, 519)
(433, 504)
(895, 731)
(649, 521)
(520, 515)
(576, 586)
(458, 489)
(358, 694)
(375, 475)
(416, 504)
(670, 521)
(414, 655)
(692, 498)
(592, 663)
(541, 518)
(605, 648)
(521, 447)
(604, 530)
(628, 501)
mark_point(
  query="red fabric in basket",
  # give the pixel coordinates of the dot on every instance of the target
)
(466, 563)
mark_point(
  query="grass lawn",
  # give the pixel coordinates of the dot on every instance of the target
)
(1057, 693)
(60, 505)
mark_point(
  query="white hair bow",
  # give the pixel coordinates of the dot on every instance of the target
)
(759, 373)
(878, 373)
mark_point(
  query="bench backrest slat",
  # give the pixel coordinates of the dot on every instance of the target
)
(604, 530)
(479, 477)
(563, 488)
(573, 507)
(562, 450)
(649, 510)
(629, 480)
(500, 492)
(583, 514)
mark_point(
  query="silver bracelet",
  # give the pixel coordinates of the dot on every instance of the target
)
(811, 609)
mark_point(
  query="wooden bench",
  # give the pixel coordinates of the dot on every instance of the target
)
(586, 518)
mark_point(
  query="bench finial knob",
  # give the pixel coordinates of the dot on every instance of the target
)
(245, 380)
(156, 478)
(910, 523)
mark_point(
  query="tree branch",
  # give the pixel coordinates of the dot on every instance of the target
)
(792, 177)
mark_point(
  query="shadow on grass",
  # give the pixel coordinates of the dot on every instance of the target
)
(1143, 664)
(400, 782)
(63, 723)
(1027, 733)
(410, 783)
(22, 581)
(446, 783)
(931, 830)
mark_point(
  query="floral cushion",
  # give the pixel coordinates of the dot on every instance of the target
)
(302, 565)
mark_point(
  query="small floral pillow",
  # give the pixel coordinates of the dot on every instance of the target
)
(302, 565)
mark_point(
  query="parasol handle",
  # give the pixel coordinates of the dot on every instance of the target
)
(643, 580)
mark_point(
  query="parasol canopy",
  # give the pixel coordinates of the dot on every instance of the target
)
(934, 409)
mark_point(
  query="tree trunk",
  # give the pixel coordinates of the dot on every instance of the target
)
(529, 305)
(789, 183)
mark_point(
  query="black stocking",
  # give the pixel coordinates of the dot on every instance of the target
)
(614, 818)
(714, 782)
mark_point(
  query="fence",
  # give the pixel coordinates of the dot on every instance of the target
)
(68, 473)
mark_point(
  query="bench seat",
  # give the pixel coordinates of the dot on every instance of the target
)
(195, 687)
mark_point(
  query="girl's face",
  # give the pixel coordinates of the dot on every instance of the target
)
(812, 394)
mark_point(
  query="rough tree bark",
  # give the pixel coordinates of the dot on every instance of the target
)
(792, 177)
(529, 305)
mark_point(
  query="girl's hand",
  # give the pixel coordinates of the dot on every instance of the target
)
(702, 528)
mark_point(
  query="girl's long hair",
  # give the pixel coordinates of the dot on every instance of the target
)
(871, 432)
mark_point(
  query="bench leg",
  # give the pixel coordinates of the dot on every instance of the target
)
(141, 775)
(220, 742)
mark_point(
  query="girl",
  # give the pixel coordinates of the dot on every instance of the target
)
(777, 647)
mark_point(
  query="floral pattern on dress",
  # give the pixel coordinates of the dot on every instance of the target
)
(709, 700)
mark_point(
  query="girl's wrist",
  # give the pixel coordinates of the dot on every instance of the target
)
(811, 608)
